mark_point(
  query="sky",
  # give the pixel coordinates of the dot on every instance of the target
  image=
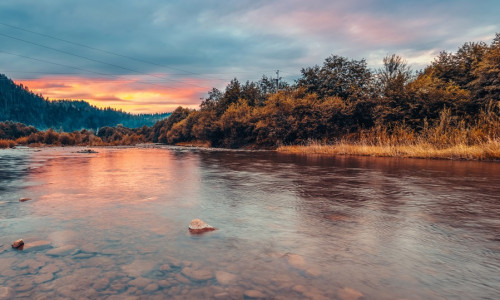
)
(152, 56)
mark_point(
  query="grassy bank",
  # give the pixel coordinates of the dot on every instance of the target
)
(486, 151)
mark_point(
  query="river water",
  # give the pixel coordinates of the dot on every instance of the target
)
(114, 225)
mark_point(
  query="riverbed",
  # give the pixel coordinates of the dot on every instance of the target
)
(114, 224)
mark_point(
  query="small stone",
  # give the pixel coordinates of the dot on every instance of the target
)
(254, 294)
(44, 278)
(50, 269)
(37, 245)
(101, 284)
(5, 292)
(31, 264)
(151, 287)
(223, 295)
(314, 272)
(199, 226)
(24, 199)
(140, 282)
(349, 294)
(182, 279)
(200, 275)
(165, 268)
(225, 278)
(299, 288)
(138, 267)
(18, 244)
(64, 250)
(164, 283)
(296, 260)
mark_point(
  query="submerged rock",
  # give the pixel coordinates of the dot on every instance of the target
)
(225, 278)
(18, 244)
(348, 293)
(254, 294)
(199, 226)
(37, 245)
(87, 151)
(63, 250)
(24, 199)
(6, 292)
(296, 261)
(199, 275)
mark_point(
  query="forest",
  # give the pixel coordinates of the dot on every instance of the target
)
(452, 103)
(19, 104)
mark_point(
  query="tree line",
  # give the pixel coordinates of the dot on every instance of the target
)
(19, 104)
(456, 99)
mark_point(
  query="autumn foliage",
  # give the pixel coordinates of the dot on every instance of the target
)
(454, 102)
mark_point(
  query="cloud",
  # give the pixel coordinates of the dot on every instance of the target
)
(183, 48)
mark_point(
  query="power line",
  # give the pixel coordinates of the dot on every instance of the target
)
(95, 60)
(73, 67)
(106, 51)
(126, 56)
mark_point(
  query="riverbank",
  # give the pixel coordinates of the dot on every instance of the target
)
(486, 151)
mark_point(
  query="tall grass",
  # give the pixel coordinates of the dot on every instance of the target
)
(448, 139)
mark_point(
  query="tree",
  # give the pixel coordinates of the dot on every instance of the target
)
(339, 77)
(486, 85)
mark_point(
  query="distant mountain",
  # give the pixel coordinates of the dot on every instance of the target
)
(19, 104)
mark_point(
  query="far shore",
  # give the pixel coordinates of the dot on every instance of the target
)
(489, 151)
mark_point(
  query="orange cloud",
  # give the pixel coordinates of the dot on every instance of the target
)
(135, 94)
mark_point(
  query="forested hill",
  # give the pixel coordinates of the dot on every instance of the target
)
(18, 104)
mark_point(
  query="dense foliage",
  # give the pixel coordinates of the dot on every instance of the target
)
(18, 104)
(344, 99)
(454, 101)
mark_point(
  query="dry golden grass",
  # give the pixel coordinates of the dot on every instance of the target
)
(202, 144)
(486, 151)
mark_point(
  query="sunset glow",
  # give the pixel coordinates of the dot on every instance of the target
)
(156, 57)
(129, 93)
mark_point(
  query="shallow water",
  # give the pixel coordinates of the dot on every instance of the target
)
(114, 224)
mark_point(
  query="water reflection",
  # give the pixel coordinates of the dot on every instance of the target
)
(115, 225)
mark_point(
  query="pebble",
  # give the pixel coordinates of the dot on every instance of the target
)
(44, 278)
(36, 245)
(165, 267)
(254, 294)
(225, 278)
(140, 282)
(348, 293)
(31, 264)
(199, 226)
(296, 260)
(6, 292)
(17, 244)
(199, 275)
(223, 295)
(182, 279)
(314, 272)
(299, 288)
(101, 284)
(151, 287)
(64, 250)
(138, 267)
(24, 199)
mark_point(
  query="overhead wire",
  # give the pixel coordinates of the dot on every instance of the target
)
(126, 56)
(96, 60)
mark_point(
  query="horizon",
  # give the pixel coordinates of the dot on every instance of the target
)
(152, 59)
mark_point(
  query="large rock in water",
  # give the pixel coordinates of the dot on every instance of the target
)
(199, 226)
(18, 244)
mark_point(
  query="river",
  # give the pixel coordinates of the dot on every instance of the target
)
(113, 224)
